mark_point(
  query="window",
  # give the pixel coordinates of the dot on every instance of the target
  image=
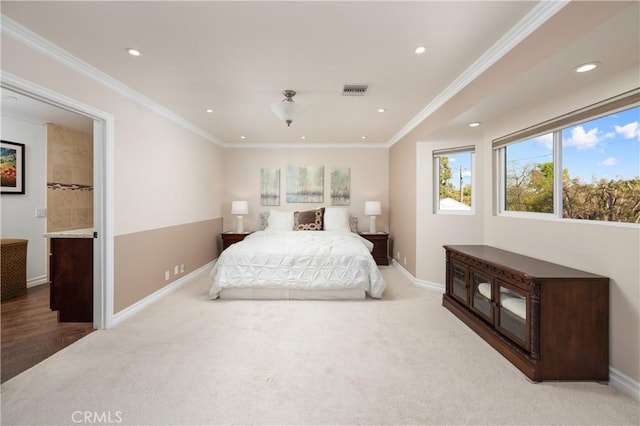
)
(585, 165)
(453, 169)
(529, 175)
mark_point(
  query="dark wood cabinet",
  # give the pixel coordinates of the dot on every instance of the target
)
(380, 242)
(550, 321)
(229, 238)
(71, 274)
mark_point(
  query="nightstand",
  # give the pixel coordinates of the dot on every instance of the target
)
(380, 242)
(229, 238)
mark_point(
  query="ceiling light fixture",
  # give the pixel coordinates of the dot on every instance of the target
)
(382, 109)
(133, 52)
(243, 137)
(420, 50)
(287, 110)
(209, 110)
(474, 124)
(586, 67)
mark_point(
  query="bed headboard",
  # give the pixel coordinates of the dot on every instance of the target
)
(264, 219)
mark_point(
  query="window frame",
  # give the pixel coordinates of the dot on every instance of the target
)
(436, 154)
(624, 101)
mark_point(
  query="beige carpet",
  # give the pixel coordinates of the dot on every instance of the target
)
(187, 360)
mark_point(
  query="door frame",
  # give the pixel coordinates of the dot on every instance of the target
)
(103, 243)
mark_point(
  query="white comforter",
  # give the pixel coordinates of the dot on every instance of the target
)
(319, 260)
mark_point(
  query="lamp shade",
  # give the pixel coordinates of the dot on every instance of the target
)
(239, 207)
(287, 111)
(372, 208)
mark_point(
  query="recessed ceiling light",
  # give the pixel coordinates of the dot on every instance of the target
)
(243, 137)
(363, 137)
(303, 137)
(209, 110)
(420, 50)
(382, 109)
(586, 67)
(474, 124)
(133, 52)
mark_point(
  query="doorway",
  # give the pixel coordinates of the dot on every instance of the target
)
(102, 188)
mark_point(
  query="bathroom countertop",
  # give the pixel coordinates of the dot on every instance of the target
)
(71, 233)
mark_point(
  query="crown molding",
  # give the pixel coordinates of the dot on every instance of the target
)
(27, 37)
(532, 21)
(241, 145)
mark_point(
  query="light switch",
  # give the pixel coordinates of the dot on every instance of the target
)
(41, 212)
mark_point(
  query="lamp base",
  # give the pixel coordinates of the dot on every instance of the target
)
(372, 225)
(239, 225)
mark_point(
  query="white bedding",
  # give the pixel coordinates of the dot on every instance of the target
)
(305, 260)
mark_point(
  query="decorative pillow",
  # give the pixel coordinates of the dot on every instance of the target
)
(310, 220)
(336, 219)
(280, 221)
(353, 223)
(264, 220)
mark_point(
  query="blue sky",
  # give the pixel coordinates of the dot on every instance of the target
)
(607, 147)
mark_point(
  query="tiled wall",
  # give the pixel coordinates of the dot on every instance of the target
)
(69, 179)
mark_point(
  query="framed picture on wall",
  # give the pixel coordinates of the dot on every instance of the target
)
(12, 167)
(340, 186)
(305, 184)
(269, 187)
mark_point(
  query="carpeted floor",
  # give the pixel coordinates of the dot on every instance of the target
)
(187, 360)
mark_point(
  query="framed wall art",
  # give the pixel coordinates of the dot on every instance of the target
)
(305, 184)
(12, 170)
(340, 186)
(269, 187)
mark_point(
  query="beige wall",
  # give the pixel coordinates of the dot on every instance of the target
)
(69, 179)
(605, 249)
(165, 176)
(143, 258)
(435, 230)
(402, 196)
(368, 171)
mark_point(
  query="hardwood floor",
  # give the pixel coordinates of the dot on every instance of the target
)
(31, 331)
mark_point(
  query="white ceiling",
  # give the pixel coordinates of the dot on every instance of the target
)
(236, 57)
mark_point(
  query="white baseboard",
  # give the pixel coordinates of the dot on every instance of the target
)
(620, 381)
(624, 383)
(32, 282)
(153, 297)
(419, 283)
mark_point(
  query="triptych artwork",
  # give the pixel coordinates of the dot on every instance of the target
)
(305, 184)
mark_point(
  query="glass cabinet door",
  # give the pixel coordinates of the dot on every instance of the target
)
(482, 295)
(459, 282)
(513, 313)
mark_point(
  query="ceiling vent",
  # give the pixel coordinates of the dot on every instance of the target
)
(354, 89)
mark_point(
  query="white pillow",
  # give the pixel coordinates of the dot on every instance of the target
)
(336, 219)
(280, 221)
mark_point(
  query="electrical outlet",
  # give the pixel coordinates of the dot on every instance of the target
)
(182, 268)
(404, 260)
(167, 275)
(176, 270)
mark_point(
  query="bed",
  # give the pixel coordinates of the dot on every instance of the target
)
(299, 255)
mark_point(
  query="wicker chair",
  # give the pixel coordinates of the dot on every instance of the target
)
(13, 265)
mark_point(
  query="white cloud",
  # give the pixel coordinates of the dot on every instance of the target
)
(629, 131)
(452, 159)
(611, 161)
(582, 140)
(545, 140)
